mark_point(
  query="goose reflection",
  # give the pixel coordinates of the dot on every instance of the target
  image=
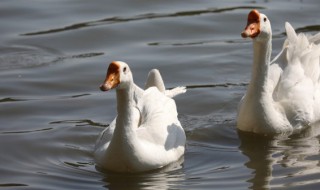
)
(162, 178)
(282, 161)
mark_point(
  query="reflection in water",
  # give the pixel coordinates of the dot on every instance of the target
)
(157, 179)
(259, 151)
(276, 160)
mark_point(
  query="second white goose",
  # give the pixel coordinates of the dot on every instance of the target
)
(283, 95)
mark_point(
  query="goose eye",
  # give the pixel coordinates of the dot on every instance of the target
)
(124, 69)
(265, 19)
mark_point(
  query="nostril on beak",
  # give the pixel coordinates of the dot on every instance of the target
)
(244, 34)
(103, 87)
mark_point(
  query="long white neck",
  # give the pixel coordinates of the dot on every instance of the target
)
(259, 112)
(260, 68)
(128, 115)
(257, 107)
(125, 102)
(126, 106)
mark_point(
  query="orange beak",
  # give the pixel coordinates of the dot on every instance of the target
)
(113, 77)
(252, 29)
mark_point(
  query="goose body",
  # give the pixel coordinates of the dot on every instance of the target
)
(283, 95)
(146, 134)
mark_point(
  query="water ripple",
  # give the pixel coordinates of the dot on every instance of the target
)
(20, 56)
(147, 16)
(26, 131)
(13, 185)
(216, 85)
(84, 122)
(3, 100)
(196, 43)
(311, 28)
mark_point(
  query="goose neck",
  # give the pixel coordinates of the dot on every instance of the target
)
(124, 100)
(261, 61)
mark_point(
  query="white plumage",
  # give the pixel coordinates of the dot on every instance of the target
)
(146, 134)
(284, 94)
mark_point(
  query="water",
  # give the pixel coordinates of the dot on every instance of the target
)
(53, 57)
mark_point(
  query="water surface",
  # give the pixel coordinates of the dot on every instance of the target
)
(54, 55)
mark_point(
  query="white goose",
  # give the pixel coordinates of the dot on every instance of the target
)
(284, 94)
(146, 134)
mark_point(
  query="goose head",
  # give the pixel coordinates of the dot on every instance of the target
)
(118, 76)
(258, 27)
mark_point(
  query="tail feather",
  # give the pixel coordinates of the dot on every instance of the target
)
(175, 91)
(155, 79)
(315, 38)
(304, 49)
(291, 33)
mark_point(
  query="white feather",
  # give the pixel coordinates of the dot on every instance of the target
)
(283, 95)
(145, 135)
(155, 79)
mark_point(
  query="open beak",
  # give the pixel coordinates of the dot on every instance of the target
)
(252, 29)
